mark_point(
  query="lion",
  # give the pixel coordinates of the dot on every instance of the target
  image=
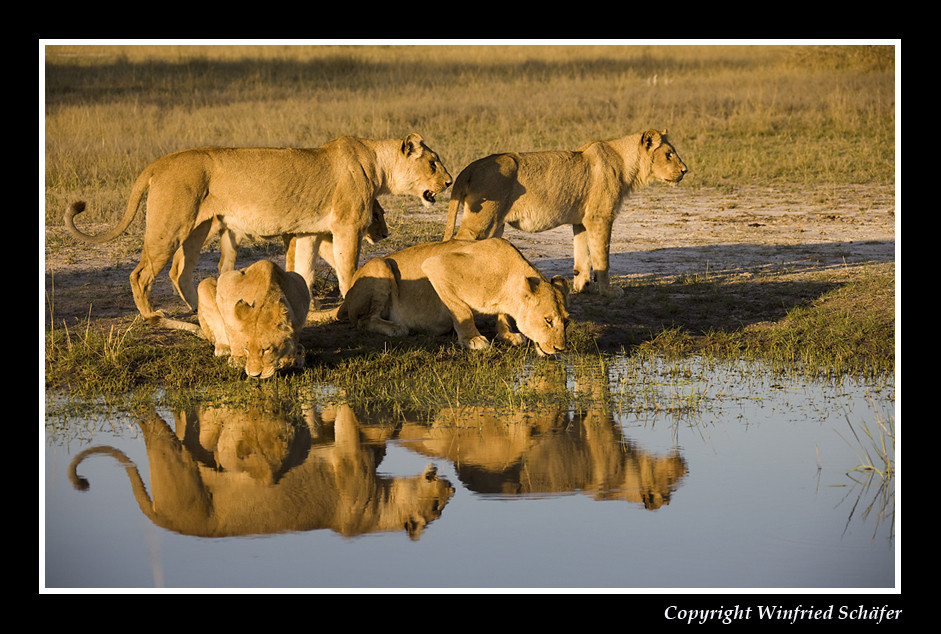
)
(310, 247)
(254, 315)
(537, 191)
(436, 286)
(302, 483)
(268, 192)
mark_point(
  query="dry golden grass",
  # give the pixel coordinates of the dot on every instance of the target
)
(738, 114)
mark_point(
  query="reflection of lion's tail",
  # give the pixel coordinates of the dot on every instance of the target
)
(140, 490)
(137, 195)
(458, 190)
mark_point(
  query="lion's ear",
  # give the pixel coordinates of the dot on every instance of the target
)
(530, 285)
(561, 283)
(412, 144)
(650, 140)
(242, 309)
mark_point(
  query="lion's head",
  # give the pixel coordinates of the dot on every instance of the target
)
(665, 163)
(263, 338)
(542, 315)
(419, 171)
(262, 308)
(420, 500)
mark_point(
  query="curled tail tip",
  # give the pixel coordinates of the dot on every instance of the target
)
(76, 208)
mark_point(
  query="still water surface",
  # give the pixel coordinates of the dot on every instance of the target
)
(727, 478)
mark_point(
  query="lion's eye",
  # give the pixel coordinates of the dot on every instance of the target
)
(434, 167)
(548, 321)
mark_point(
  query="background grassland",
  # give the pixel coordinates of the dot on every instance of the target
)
(741, 114)
(774, 116)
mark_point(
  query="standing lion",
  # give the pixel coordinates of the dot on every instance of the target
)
(537, 191)
(268, 192)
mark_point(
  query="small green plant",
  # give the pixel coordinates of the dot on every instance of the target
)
(875, 447)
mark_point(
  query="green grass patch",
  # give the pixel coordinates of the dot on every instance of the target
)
(847, 329)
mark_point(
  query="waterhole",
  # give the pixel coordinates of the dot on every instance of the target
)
(674, 475)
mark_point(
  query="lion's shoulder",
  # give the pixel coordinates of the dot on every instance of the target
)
(262, 299)
(496, 264)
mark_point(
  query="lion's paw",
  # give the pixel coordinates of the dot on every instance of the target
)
(477, 343)
(581, 285)
(513, 338)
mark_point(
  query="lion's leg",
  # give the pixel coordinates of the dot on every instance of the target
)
(290, 248)
(176, 268)
(439, 270)
(228, 250)
(301, 257)
(210, 319)
(506, 332)
(142, 277)
(599, 244)
(325, 249)
(463, 319)
(184, 267)
(346, 247)
(582, 279)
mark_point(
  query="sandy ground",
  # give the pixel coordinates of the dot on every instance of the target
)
(662, 232)
(672, 231)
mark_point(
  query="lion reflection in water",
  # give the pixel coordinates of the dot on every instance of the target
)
(549, 452)
(228, 472)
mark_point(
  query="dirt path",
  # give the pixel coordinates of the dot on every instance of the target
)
(672, 231)
(661, 233)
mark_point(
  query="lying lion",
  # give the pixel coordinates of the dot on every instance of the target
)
(267, 192)
(254, 315)
(537, 191)
(437, 286)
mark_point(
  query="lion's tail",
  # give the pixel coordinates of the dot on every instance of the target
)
(81, 483)
(137, 195)
(137, 483)
(174, 324)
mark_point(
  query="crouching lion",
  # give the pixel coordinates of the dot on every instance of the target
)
(254, 315)
(437, 286)
(537, 191)
(267, 192)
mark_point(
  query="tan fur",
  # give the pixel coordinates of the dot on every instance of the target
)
(253, 315)
(537, 191)
(310, 248)
(437, 286)
(195, 487)
(268, 192)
